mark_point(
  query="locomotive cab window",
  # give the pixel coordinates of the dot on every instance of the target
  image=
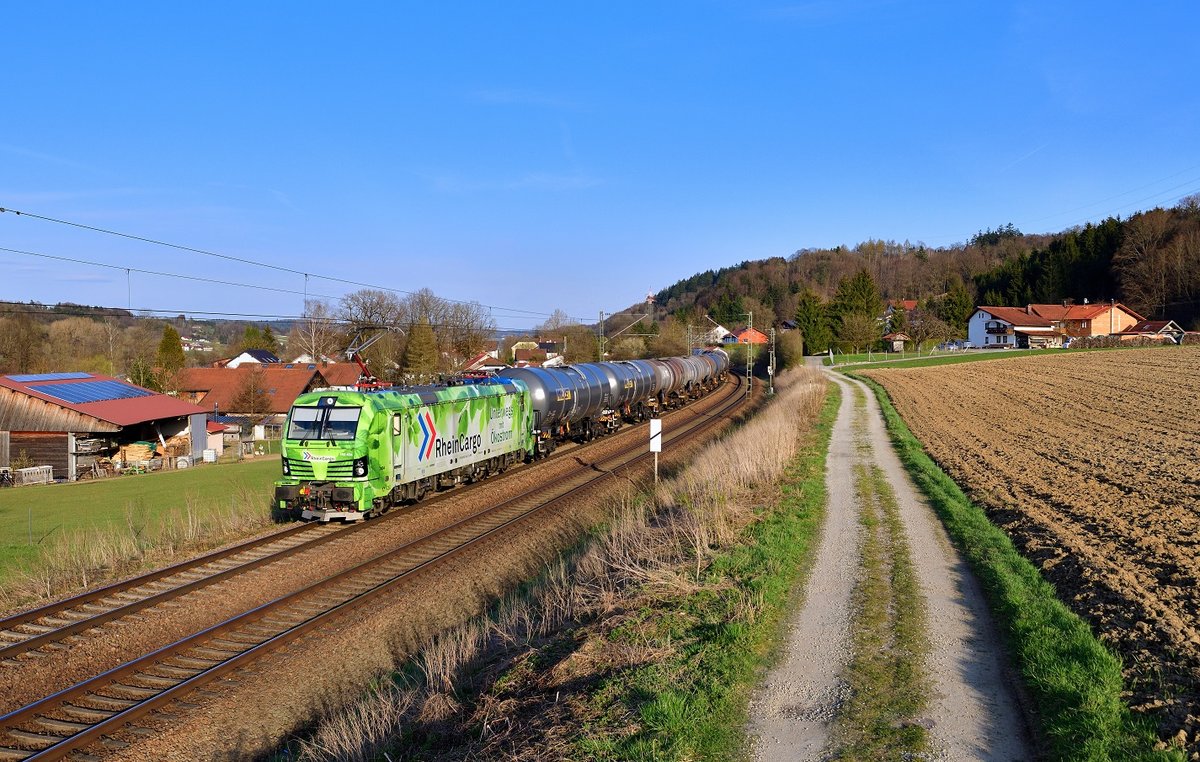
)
(327, 423)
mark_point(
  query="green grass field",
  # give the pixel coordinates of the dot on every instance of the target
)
(32, 516)
(949, 359)
(912, 359)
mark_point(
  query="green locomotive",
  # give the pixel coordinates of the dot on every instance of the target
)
(350, 454)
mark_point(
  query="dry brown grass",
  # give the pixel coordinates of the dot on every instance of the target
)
(657, 542)
(81, 559)
(363, 731)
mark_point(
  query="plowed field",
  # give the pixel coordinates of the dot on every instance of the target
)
(1091, 463)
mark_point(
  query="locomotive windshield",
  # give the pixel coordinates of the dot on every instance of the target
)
(327, 423)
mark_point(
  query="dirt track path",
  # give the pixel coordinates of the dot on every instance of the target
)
(972, 709)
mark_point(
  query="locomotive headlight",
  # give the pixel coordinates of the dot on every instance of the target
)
(287, 470)
(360, 466)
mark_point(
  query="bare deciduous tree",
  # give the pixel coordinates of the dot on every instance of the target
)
(858, 331)
(1143, 261)
(318, 334)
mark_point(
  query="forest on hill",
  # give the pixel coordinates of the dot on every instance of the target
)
(1149, 261)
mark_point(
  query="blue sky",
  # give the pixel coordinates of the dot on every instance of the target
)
(534, 156)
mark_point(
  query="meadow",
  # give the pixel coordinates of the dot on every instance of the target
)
(112, 525)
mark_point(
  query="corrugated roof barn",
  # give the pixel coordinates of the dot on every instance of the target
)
(55, 417)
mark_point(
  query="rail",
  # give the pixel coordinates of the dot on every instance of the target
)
(72, 719)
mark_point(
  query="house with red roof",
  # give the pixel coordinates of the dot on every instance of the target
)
(748, 336)
(1011, 328)
(336, 374)
(220, 391)
(71, 421)
(1085, 320)
(217, 389)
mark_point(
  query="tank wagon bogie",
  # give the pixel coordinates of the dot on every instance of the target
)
(348, 454)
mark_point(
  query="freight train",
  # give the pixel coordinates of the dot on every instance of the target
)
(353, 454)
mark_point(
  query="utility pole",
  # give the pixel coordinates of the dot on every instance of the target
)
(601, 329)
(637, 321)
(749, 357)
(771, 367)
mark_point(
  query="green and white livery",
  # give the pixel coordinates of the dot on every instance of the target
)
(351, 454)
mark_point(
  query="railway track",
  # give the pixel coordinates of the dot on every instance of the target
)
(89, 713)
(26, 633)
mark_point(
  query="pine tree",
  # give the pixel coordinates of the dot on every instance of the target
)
(170, 350)
(813, 323)
(420, 360)
(252, 338)
(957, 306)
(170, 359)
(857, 295)
(258, 338)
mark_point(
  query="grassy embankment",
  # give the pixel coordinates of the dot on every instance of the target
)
(56, 538)
(645, 642)
(1074, 682)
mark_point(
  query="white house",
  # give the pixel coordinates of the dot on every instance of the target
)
(252, 357)
(714, 336)
(1011, 327)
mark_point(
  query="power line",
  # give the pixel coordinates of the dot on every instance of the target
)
(1026, 223)
(162, 274)
(278, 268)
(1147, 198)
(1124, 193)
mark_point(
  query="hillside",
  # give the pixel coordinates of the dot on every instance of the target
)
(1150, 261)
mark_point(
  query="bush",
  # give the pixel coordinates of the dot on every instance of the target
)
(1108, 342)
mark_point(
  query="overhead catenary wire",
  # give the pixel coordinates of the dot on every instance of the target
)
(256, 263)
(127, 270)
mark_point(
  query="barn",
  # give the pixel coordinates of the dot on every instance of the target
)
(70, 420)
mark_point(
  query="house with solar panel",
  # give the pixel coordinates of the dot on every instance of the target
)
(71, 422)
(249, 357)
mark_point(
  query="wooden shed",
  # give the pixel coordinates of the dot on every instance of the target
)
(69, 420)
(894, 342)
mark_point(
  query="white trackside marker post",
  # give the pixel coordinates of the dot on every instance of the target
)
(656, 443)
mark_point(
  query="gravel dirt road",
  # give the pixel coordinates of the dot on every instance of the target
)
(973, 709)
